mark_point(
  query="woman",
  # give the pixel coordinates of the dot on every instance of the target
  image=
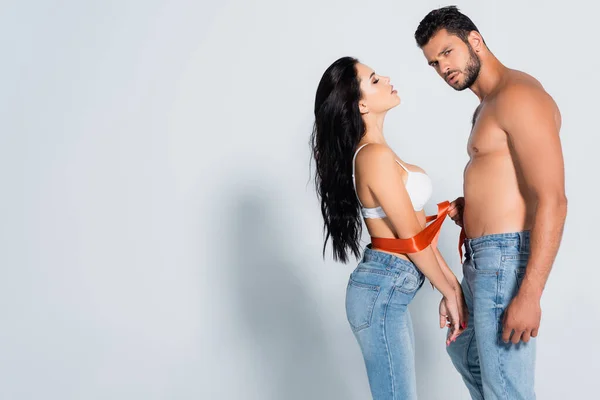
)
(357, 173)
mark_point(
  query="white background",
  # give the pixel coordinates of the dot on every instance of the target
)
(160, 237)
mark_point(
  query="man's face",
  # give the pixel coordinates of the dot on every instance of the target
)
(453, 59)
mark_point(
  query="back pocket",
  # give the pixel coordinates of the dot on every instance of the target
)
(409, 283)
(360, 301)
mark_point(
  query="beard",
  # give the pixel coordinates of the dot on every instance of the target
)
(471, 71)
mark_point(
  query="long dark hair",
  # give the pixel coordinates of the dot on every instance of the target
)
(336, 133)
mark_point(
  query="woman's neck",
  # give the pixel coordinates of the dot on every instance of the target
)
(373, 129)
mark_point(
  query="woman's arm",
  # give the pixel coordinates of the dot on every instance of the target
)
(380, 171)
(462, 305)
(446, 269)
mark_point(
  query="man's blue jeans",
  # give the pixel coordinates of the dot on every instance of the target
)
(493, 271)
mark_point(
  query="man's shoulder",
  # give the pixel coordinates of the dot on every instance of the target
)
(519, 87)
(520, 92)
(522, 97)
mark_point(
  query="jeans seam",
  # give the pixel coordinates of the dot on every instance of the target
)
(367, 286)
(466, 362)
(500, 285)
(374, 271)
(385, 341)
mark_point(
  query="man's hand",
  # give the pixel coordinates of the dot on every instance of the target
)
(456, 211)
(522, 316)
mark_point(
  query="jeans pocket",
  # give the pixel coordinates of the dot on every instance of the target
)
(360, 301)
(487, 261)
(409, 283)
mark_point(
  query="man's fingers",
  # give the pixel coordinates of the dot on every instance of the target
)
(516, 337)
(534, 332)
(442, 321)
(526, 336)
(455, 208)
(456, 217)
(506, 333)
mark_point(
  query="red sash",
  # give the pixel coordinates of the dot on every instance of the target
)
(422, 239)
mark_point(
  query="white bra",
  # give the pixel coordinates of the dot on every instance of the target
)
(418, 185)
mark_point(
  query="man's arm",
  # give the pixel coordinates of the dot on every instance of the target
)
(531, 120)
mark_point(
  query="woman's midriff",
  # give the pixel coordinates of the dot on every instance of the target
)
(382, 228)
(420, 241)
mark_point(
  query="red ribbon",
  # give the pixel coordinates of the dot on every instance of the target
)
(422, 239)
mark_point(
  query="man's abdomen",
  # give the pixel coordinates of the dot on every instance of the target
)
(494, 199)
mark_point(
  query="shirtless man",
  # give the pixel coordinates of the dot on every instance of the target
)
(513, 209)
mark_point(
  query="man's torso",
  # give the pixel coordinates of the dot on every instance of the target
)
(496, 197)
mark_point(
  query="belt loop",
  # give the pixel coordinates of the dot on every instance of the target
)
(520, 245)
(526, 241)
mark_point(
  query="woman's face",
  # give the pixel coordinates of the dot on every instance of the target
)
(378, 95)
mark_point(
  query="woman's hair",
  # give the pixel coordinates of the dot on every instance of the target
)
(337, 131)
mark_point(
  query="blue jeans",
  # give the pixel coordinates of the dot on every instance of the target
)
(493, 271)
(378, 293)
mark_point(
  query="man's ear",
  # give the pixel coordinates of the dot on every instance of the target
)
(476, 41)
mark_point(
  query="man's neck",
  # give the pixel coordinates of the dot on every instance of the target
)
(491, 74)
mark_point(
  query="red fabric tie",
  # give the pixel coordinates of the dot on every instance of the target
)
(422, 239)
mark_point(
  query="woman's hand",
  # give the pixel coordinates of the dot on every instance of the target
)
(447, 318)
(450, 317)
(463, 310)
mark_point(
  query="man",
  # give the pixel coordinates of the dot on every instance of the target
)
(513, 209)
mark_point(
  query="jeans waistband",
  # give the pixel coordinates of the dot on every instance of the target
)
(390, 261)
(520, 240)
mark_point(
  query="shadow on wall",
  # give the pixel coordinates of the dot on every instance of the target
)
(274, 308)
